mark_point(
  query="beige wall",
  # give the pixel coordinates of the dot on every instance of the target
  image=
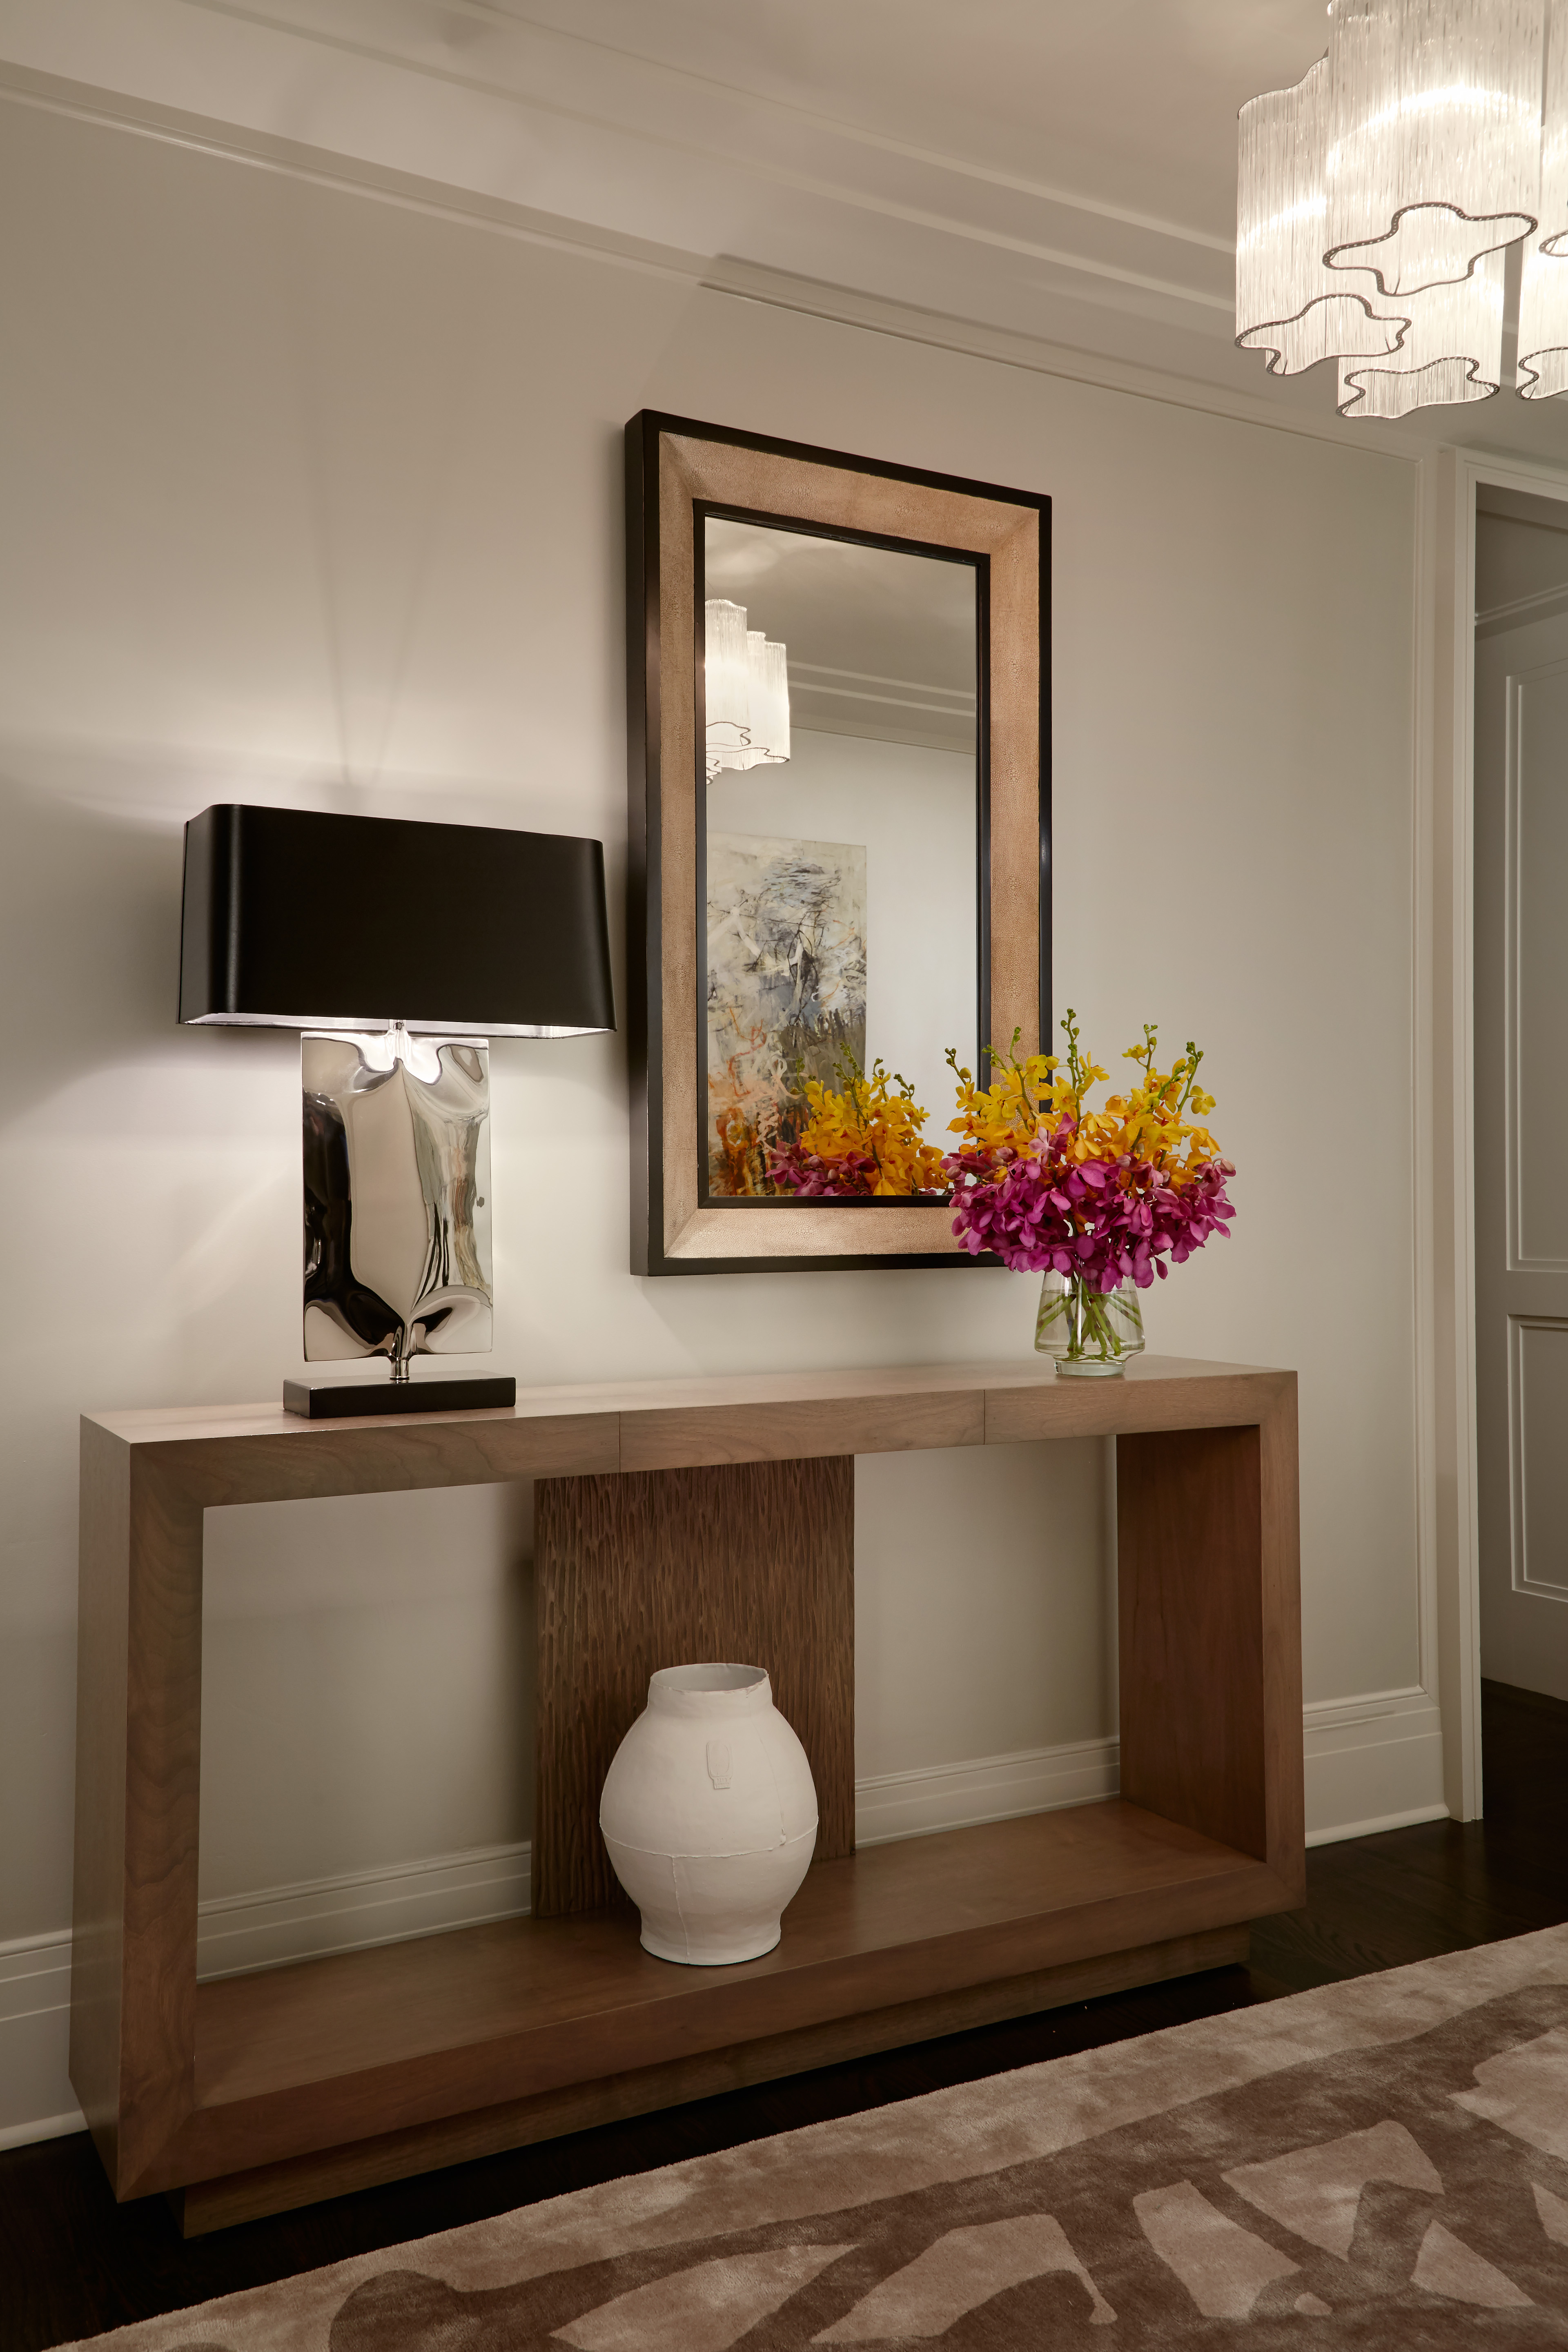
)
(310, 498)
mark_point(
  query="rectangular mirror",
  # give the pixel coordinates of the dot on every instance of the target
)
(837, 824)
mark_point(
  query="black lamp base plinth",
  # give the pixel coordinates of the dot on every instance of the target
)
(354, 1400)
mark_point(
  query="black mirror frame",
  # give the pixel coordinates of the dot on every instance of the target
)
(675, 469)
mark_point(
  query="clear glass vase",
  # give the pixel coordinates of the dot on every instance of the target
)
(1091, 1333)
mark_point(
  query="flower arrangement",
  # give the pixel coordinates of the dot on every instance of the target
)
(860, 1140)
(1096, 1197)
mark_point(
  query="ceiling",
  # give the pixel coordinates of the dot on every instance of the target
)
(1052, 183)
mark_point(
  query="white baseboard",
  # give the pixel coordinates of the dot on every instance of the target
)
(987, 1789)
(35, 2097)
(239, 1933)
(1373, 1762)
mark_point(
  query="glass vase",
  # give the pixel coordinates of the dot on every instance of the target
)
(1091, 1333)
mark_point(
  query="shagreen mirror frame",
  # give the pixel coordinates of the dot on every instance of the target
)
(677, 471)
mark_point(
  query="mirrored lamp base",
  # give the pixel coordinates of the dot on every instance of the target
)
(350, 1399)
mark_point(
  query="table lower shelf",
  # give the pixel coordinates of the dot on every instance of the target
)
(339, 2051)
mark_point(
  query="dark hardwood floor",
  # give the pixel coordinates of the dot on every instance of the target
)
(73, 2263)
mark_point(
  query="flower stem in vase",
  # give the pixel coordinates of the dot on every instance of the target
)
(1091, 1332)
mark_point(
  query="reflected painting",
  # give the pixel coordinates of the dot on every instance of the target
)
(786, 992)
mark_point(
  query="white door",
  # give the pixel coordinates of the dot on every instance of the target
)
(1521, 1150)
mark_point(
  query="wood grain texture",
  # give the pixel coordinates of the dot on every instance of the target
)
(457, 2139)
(1284, 1780)
(749, 1562)
(183, 2084)
(102, 1694)
(1009, 534)
(1190, 1575)
(162, 1797)
(1023, 1406)
(794, 1430)
(260, 1458)
(347, 2048)
(254, 1452)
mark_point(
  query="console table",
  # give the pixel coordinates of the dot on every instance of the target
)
(674, 1520)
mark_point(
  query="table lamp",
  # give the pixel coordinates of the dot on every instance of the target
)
(398, 948)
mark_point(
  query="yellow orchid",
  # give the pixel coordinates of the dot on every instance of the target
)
(1037, 1095)
(862, 1138)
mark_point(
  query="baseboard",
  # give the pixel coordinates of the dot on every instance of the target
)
(35, 2097)
(239, 1933)
(891, 1805)
(1373, 1763)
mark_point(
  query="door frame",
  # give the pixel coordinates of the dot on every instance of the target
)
(1445, 1074)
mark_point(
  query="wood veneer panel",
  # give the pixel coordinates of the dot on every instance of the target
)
(897, 1423)
(749, 1562)
(1152, 1392)
(1284, 1773)
(402, 2040)
(457, 2139)
(101, 1698)
(163, 1785)
(1190, 1569)
(361, 2043)
(258, 1463)
(250, 1453)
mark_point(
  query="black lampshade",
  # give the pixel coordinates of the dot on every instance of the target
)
(294, 919)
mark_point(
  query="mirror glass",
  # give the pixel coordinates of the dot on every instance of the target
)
(841, 841)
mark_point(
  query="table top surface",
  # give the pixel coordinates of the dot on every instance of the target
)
(1079, 1406)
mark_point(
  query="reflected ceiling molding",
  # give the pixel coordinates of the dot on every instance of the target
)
(830, 701)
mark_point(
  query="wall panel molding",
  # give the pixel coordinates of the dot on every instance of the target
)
(1520, 1327)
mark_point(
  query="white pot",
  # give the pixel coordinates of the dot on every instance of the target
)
(710, 1814)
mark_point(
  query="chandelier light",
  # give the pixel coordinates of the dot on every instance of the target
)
(1377, 198)
(746, 682)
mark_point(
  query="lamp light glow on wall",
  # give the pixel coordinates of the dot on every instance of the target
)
(398, 949)
(746, 686)
(1377, 198)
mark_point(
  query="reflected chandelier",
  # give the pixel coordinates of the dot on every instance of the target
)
(746, 688)
(1377, 199)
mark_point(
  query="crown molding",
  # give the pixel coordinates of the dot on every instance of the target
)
(839, 127)
(723, 275)
(584, 129)
(735, 97)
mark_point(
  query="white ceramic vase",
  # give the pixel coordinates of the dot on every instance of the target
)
(709, 1816)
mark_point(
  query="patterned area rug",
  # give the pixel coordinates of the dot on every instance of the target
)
(1382, 2163)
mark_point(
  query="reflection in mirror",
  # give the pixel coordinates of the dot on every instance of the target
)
(841, 841)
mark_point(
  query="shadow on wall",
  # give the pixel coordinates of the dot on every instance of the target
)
(89, 923)
(367, 1684)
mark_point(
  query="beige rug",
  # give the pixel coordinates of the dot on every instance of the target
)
(1382, 2163)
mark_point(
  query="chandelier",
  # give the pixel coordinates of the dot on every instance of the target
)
(746, 686)
(1377, 200)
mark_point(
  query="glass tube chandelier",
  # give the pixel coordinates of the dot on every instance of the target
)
(746, 686)
(1377, 199)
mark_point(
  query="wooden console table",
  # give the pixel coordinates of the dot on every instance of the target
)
(708, 1519)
